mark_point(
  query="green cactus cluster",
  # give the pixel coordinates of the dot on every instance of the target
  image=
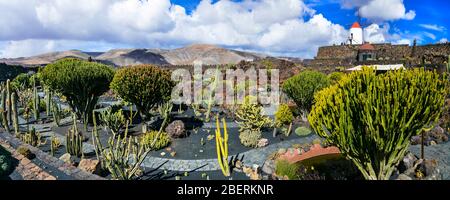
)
(74, 140)
(8, 110)
(32, 138)
(115, 121)
(371, 118)
(250, 116)
(162, 141)
(283, 116)
(123, 156)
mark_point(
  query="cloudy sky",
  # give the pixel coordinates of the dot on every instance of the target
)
(277, 27)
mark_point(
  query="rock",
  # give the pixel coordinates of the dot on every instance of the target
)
(269, 167)
(282, 151)
(262, 142)
(247, 170)
(436, 136)
(91, 166)
(67, 158)
(168, 149)
(407, 162)
(404, 177)
(176, 129)
(428, 167)
(163, 153)
(238, 165)
(173, 153)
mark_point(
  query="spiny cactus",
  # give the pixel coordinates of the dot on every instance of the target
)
(48, 102)
(222, 147)
(123, 156)
(4, 111)
(250, 116)
(15, 115)
(57, 112)
(371, 118)
(32, 138)
(8, 100)
(74, 140)
(55, 143)
(36, 102)
(115, 121)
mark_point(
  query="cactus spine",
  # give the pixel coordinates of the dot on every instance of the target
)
(15, 116)
(74, 140)
(3, 111)
(222, 147)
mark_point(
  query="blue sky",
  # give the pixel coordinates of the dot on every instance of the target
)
(282, 27)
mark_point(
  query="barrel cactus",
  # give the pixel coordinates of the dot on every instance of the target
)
(371, 118)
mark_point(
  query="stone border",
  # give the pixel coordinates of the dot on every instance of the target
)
(65, 168)
(27, 169)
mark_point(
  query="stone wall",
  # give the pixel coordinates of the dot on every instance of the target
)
(344, 56)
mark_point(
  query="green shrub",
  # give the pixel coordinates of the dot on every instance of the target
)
(284, 115)
(285, 169)
(302, 131)
(371, 118)
(335, 77)
(146, 86)
(162, 141)
(5, 162)
(302, 87)
(22, 81)
(250, 138)
(81, 82)
(250, 116)
(26, 152)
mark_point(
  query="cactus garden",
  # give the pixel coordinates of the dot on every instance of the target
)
(272, 91)
(88, 120)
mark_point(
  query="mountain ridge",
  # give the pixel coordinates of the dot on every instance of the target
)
(188, 55)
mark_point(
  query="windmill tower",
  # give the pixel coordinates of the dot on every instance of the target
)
(357, 32)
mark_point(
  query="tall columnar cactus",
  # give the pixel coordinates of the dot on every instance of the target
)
(15, 115)
(371, 118)
(48, 102)
(3, 111)
(8, 100)
(74, 140)
(448, 64)
(36, 102)
(222, 147)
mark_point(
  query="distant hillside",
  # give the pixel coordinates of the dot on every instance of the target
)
(206, 54)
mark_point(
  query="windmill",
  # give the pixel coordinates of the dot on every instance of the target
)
(357, 31)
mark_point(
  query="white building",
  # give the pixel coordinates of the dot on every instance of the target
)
(356, 34)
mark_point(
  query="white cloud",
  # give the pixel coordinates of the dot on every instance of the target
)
(443, 40)
(430, 35)
(277, 27)
(433, 27)
(380, 10)
(386, 10)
